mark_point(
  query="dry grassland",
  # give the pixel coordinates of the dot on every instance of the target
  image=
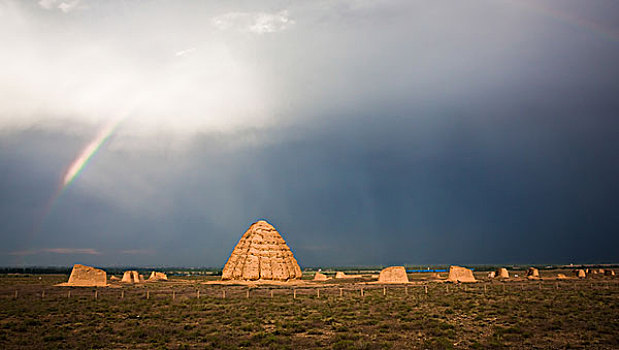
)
(186, 314)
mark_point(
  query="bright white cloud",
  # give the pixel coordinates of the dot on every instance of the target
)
(186, 52)
(57, 71)
(186, 67)
(64, 6)
(254, 22)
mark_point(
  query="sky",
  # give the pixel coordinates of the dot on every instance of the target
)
(155, 132)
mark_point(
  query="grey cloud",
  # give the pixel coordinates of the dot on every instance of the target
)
(138, 252)
(74, 251)
(338, 57)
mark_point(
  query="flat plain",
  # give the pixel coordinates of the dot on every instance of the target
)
(184, 313)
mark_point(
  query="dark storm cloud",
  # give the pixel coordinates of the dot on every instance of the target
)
(389, 190)
(401, 132)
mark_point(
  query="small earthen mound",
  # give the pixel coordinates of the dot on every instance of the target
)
(261, 254)
(436, 276)
(532, 273)
(580, 273)
(132, 277)
(86, 276)
(561, 276)
(157, 276)
(460, 274)
(342, 275)
(609, 272)
(320, 277)
(114, 278)
(393, 274)
(502, 273)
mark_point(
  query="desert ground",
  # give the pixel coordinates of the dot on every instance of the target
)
(185, 313)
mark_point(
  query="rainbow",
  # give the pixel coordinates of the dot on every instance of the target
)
(75, 168)
(88, 152)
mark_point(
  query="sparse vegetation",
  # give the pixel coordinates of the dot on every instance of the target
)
(580, 314)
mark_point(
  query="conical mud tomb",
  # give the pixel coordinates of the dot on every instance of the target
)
(261, 254)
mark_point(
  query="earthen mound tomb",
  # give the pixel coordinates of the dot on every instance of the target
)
(157, 276)
(532, 273)
(320, 277)
(86, 276)
(393, 274)
(435, 275)
(132, 277)
(502, 273)
(261, 254)
(460, 274)
(342, 275)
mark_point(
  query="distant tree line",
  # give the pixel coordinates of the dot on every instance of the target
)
(66, 270)
(36, 270)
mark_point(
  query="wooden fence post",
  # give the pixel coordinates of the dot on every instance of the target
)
(426, 288)
(96, 296)
(484, 288)
(341, 292)
(223, 293)
(43, 294)
(361, 291)
(69, 294)
(271, 293)
(446, 288)
(247, 293)
(406, 290)
(384, 291)
(198, 294)
(16, 294)
(122, 294)
(173, 295)
(294, 294)
(317, 293)
(147, 294)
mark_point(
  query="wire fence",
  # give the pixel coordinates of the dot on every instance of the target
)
(296, 292)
